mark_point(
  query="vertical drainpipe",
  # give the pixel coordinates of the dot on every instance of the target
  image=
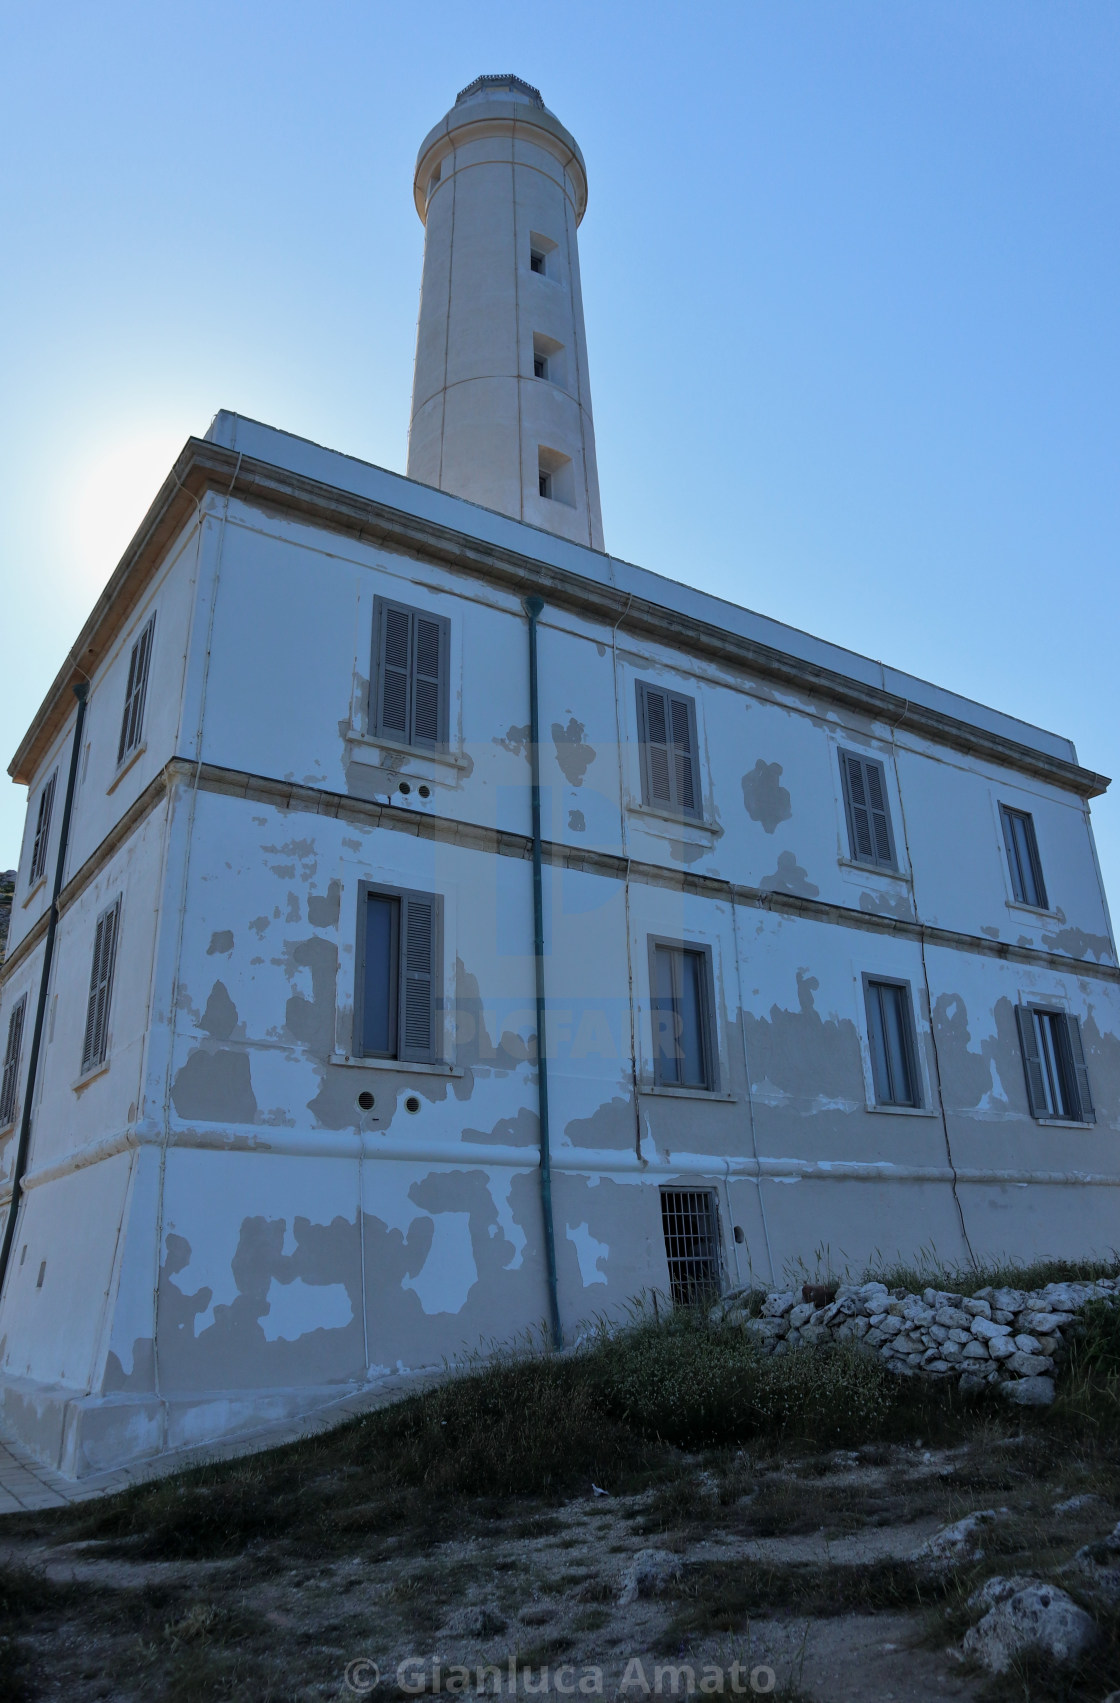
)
(81, 692)
(533, 608)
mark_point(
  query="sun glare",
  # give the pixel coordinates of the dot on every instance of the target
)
(110, 492)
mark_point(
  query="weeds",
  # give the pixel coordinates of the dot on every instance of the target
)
(929, 1273)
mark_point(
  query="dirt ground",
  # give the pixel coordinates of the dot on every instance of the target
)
(793, 1574)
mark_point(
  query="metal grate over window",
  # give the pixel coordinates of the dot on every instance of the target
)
(688, 1219)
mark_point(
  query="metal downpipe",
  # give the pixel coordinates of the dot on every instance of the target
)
(81, 692)
(533, 608)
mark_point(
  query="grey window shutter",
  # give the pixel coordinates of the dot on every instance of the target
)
(655, 716)
(417, 1020)
(681, 725)
(1080, 1072)
(132, 722)
(1017, 885)
(427, 684)
(394, 672)
(1032, 1062)
(96, 1038)
(10, 1084)
(865, 798)
(43, 829)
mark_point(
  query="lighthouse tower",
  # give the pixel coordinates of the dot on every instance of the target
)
(501, 405)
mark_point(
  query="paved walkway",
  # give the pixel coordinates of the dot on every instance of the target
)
(26, 1484)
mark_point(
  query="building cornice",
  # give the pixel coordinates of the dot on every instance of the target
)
(204, 467)
(500, 842)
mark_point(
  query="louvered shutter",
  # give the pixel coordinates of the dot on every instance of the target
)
(1084, 1110)
(394, 672)
(865, 797)
(655, 740)
(10, 1082)
(132, 722)
(859, 814)
(680, 716)
(417, 1017)
(427, 681)
(1032, 1062)
(43, 829)
(96, 1039)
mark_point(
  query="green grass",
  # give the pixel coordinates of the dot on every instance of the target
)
(927, 1272)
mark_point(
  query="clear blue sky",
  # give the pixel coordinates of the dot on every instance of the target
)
(850, 275)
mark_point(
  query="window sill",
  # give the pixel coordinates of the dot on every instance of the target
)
(133, 757)
(1064, 1123)
(667, 1093)
(9, 1128)
(1033, 910)
(902, 875)
(443, 759)
(405, 1066)
(904, 1111)
(42, 881)
(704, 831)
(90, 1076)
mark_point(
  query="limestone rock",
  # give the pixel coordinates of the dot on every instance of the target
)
(1097, 1566)
(649, 1573)
(478, 1621)
(1027, 1615)
(777, 1306)
(1029, 1392)
(1029, 1365)
(985, 1329)
(959, 1544)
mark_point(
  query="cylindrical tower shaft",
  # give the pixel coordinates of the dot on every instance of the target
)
(501, 405)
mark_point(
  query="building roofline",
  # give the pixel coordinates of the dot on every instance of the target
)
(277, 471)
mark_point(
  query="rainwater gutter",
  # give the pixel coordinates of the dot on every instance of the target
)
(533, 608)
(81, 692)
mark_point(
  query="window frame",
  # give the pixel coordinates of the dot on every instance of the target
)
(1008, 814)
(1072, 1068)
(9, 1076)
(674, 807)
(136, 692)
(401, 1053)
(709, 1050)
(376, 705)
(40, 845)
(846, 755)
(94, 1058)
(911, 1051)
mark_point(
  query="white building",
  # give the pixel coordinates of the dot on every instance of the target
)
(826, 960)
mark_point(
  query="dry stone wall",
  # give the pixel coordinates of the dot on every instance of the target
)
(1008, 1337)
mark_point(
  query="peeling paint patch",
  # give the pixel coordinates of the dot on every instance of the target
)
(449, 1273)
(215, 1086)
(588, 1252)
(789, 877)
(766, 800)
(516, 740)
(220, 941)
(323, 910)
(793, 1050)
(219, 1020)
(1079, 944)
(312, 1020)
(886, 904)
(686, 851)
(576, 821)
(297, 1307)
(573, 755)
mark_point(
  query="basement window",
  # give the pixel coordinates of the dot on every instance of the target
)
(690, 1226)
